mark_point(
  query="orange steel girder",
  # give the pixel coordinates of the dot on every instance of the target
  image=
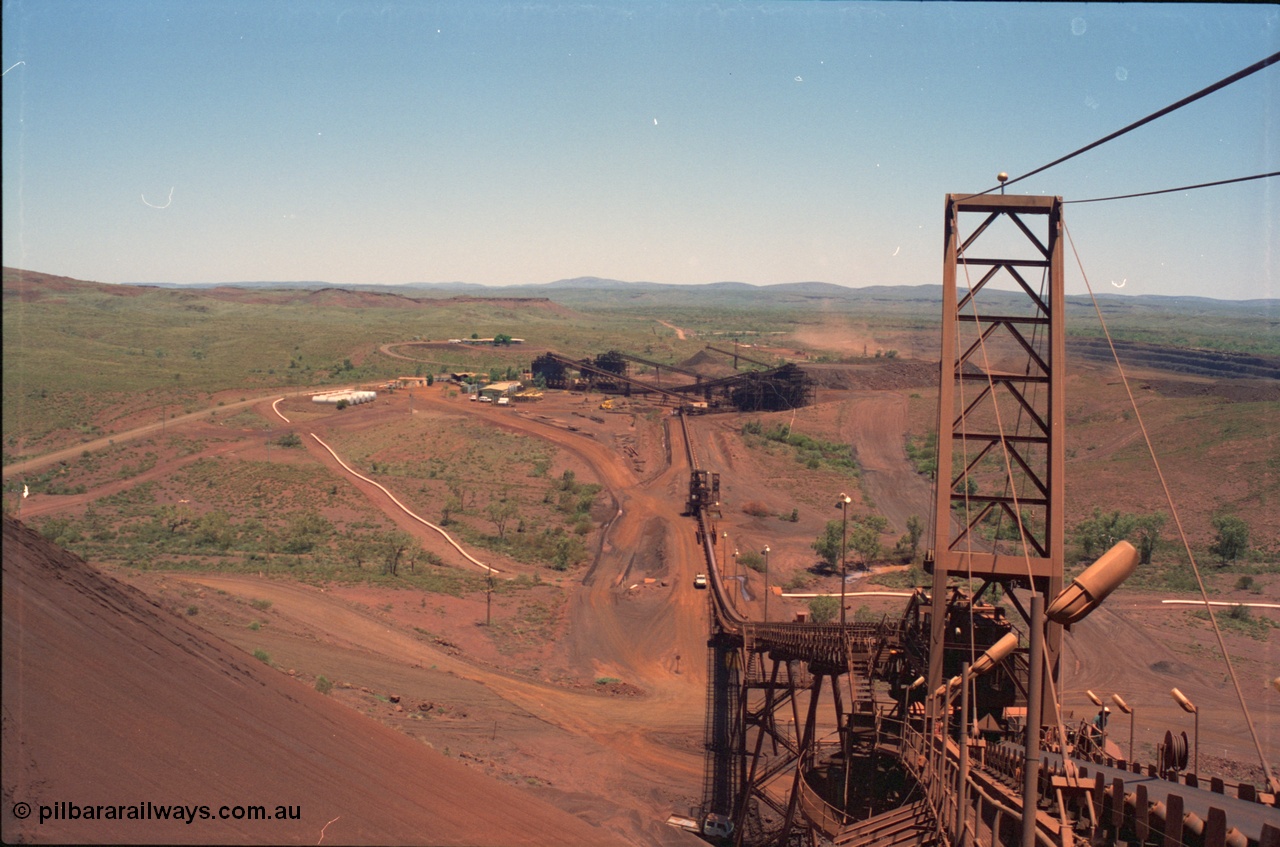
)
(1012, 418)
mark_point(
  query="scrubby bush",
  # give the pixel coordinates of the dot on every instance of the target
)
(824, 609)
(751, 559)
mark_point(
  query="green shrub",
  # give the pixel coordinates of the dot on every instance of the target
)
(797, 581)
(262, 656)
(323, 685)
(824, 609)
(1231, 538)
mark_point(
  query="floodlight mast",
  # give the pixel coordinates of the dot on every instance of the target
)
(1128, 710)
(974, 388)
(843, 505)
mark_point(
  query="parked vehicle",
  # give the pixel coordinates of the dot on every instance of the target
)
(700, 581)
(714, 825)
(717, 825)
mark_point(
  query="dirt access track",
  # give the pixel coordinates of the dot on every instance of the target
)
(615, 757)
(597, 755)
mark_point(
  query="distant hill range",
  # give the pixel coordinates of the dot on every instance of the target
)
(814, 294)
(919, 304)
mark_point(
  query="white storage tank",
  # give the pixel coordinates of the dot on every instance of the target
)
(353, 398)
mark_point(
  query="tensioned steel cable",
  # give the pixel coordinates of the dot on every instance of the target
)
(1272, 781)
(1204, 92)
(1172, 190)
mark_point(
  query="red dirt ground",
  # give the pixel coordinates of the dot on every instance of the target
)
(599, 709)
(110, 700)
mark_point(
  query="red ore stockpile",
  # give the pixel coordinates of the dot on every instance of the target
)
(125, 723)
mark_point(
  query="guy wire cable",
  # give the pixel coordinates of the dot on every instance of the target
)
(1204, 92)
(1172, 190)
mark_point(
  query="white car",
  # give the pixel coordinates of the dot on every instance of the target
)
(700, 581)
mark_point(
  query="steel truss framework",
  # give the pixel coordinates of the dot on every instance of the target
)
(1001, 407)
(777, 742)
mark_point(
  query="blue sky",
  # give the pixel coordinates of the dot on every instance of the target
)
(690, 142)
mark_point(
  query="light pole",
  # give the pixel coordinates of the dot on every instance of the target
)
(724, 542)
(1188, 706)
(1128, 710)
(488, 597)
(843, 505)
(740, 589)
(766, 583)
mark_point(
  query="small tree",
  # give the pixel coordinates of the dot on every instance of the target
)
(1148, 528)
(915, 529)
(864, 537)
(174, 518)
(827, 545)
(824, 609)
(500, 514)
(452, 505)
(1231, 538)
(393, 546)
(357, 550)
(1099, 532)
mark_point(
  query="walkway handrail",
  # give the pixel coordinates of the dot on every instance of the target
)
(919, 757)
